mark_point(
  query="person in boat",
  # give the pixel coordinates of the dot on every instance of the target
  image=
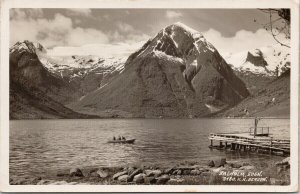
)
(123, 138)
(114, 138)
(119, 138)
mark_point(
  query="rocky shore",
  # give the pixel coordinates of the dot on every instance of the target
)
(215, 172)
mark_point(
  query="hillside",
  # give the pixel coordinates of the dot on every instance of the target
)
(271, 101)
(34, 104)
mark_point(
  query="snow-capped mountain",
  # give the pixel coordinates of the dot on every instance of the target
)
(181, 43)
(34, 91)
(177, 73)
(178, 42)
(27, 46)
(86, 73)
(269, 61)
(60, 76)
(72, 67)
(26, 69)
(89, 73)
(75, 66)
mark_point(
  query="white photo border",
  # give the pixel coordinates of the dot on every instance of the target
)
(201, 4)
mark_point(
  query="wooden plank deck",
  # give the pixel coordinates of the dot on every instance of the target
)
(247, 142)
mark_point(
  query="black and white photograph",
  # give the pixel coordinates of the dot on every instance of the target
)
(156, 96)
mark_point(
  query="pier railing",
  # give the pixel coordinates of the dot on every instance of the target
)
(260, 131)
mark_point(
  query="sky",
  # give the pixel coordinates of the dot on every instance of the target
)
(119, 32)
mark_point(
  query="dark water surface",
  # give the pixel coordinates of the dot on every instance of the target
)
(40, 146)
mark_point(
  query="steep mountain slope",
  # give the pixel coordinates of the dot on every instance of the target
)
(34, 104)
(254, 82)
(175, 74)
(27, 70)
(33, 87)
(271, 101)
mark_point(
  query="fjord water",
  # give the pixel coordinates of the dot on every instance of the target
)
(41, 146)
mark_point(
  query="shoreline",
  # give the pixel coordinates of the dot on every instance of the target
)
(214, 172)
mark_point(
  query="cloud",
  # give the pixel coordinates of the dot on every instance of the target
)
(26, 13)
(102, 50)
(242, 41)
(173, 14)
(127, 34)
(118, 37)
(61, 30)
(124, 27)
(137, 38)
(79, 12)
(58, 31)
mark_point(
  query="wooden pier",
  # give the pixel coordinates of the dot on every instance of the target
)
(245, 141)
(257, 139)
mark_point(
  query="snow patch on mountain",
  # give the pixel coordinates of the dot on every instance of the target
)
(212, 108)
(163, 55)
(192, 31)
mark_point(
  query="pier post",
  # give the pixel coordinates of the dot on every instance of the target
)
(221, 144)
(270, 146)
(211, 143)
(225, 144)
(232, 146)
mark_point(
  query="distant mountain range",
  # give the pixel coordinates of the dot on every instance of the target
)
(175, 74)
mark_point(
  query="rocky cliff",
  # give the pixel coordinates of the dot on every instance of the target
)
(34, 91)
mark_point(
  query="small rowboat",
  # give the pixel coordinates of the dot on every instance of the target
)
(128, 141)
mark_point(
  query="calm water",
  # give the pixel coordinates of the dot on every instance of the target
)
(39, 146)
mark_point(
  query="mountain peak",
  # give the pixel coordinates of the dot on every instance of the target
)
(256, 58)
(264, 61)
(31, 47)
(185, 27)
(176, 40)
